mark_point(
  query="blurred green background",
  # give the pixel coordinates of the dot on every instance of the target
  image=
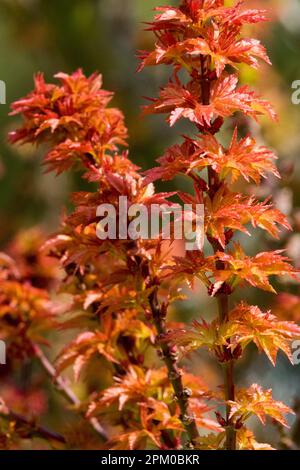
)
(103, 35)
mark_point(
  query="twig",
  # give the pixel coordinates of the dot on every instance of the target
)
(228, 379)
(36, 430)
(65, 390)
(228, 366)
(170, 359)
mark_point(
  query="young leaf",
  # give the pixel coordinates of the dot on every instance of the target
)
(255, 270)
(185, 101)
(258, 402)
(249, 323)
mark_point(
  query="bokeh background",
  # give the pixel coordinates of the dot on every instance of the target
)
(103, 35)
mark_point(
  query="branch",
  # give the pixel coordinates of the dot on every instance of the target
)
(229, 386)
(228, 367)
(170, 359)
(35, 430)
(65, 390)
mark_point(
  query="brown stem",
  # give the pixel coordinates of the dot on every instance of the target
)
(223, 305)
(65, 390)
(169, 357)
(229, 387)
(228, 367)
(205, 81)
(34, 429)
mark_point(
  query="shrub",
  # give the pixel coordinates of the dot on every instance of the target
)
(120, 292)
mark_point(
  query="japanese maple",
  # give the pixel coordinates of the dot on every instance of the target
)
(119, 292)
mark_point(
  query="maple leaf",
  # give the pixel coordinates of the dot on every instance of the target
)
(79, 244)
(245, 324)
(267, 217)
(168, 51)
(80, 351)
(249, 323)
(211, 441)
(246, 441)
(136, 386)
(228, 210)
(153, 420)
(256, 270)
(233, 211)
(192, 14)
(200, 334)
(117, 164)
(258, 402)
(73, 116)
(46, 108)
(177, 159)
(65, 155)
(217, 337)
(193, 265)
(79, 247)
(133, 440)
(225, 47)
(220, 45)
(240, 17)
(242, 159)
(224, 212)
(225, 99)
(146, 388)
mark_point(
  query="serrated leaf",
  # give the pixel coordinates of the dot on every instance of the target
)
(258, 402)
(256, 270)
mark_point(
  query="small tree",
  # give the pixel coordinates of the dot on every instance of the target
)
(120, 291)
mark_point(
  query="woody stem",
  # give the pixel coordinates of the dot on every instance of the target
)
(170, 359)
(228, 368)
(64, 389)
(223, 306)
(33, 428)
